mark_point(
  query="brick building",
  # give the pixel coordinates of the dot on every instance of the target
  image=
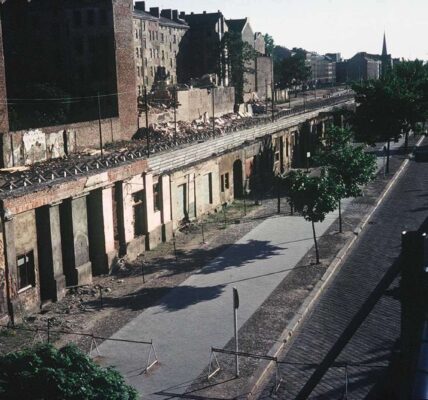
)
(78, 50)
(157, 37)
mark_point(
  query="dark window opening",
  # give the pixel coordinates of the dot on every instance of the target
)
(103, 17)
(90, 17)
(222, 183)
(77, 18)
(139, 219)
(226, 180)
(26, 273)
(156, 197)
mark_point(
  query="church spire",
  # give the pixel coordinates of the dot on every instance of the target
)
(384, 50)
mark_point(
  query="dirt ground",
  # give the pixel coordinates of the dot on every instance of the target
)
(113, 300)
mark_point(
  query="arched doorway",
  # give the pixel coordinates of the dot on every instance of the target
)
(237, 180)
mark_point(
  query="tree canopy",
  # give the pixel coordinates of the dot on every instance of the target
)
(348, 165)
(292, 71)
(67, 374)
(392, 105)
(241, 56)
(351, 164)
(269, 45)
(312, 197)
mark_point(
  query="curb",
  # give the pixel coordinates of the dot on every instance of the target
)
(309, 302)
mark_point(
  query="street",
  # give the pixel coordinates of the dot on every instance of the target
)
(371, 348)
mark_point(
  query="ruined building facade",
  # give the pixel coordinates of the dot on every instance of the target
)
(202, 47)
(80, 52)
(157, 37)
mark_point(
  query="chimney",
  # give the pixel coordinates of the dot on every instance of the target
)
(166, 14)
(182, 15)
(154, 11)
(205, 12)
(140, 5)
(175, 15)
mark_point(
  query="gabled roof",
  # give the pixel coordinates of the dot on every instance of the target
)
(203, 19)
(367, 56)
(236, 25)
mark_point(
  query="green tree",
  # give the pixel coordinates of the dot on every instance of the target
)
(269, 45)
(412, 77)
(313, 198)
(241, 59)
(44, 372)
(378, 115)
(292, 71)
(393, 105)
(350, 166)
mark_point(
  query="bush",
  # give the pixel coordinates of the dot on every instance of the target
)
(44, 372)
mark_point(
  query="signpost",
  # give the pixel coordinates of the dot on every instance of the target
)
(235, 320)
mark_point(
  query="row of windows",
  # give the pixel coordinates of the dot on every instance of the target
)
(90, 17)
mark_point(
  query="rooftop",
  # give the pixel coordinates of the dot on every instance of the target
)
(236, 25)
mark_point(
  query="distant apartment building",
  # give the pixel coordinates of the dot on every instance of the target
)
(361, 67)
(323, 69)
(157, 37)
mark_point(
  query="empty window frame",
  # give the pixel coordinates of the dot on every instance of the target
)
(26, 273)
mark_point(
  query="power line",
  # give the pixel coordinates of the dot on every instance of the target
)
(61, 99)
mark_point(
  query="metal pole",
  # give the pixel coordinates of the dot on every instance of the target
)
(49, 330)
(346, 382)
(202, 230)
(175, 247)
(99, 123)
(213, 95)
(147, 121)
(235, 324)
(175, 114)
(266, 96)
(273, 102)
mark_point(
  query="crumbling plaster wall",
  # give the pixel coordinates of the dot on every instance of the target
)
(35, 145)
(25, 242)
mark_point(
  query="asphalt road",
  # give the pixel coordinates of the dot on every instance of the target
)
(372, 345)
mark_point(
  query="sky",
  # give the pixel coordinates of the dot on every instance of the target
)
(328, 26)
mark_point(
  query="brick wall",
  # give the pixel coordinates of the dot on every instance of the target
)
(4, 118)
(125, 66)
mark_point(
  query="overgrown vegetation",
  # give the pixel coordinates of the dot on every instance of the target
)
(43, 372)
(241, 58)
(393, 105)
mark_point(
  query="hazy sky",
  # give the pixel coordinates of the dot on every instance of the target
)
(329, 26)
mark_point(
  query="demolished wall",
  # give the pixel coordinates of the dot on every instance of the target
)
(36, 145)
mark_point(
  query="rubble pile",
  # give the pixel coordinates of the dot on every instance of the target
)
(185, 130)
